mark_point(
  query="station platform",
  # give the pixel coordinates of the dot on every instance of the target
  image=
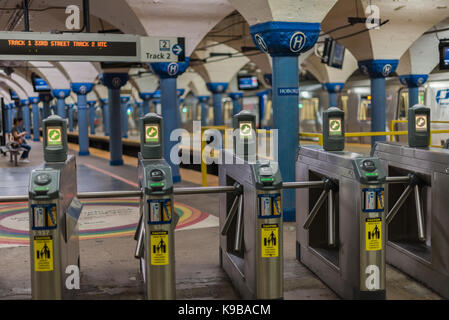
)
(108, 267)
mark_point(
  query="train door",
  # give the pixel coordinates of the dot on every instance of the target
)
(309, 114)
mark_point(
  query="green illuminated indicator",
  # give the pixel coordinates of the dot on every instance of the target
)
(371, 174)
(157, 184)
(41, 188)
(266, 179)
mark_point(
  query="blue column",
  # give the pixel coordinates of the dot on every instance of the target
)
(333, 88)
(114, 81)
(45, 98)
(70, 112)
(92, 115)
(7, 128)
(262, 102)
(60, 95)
(413, 82)
(124, 106)
(168, 73)
(378, 70)
(236, 105)
(217, 89)
(11, 115)
(82, 89)
(284, 41)
(26, 117)
(106, 117)
(36, 117)
(146, 97)
(204, 100)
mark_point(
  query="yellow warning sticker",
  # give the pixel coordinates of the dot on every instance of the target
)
(373, 231)
(43, 253)
(159, 248)
(270, 240)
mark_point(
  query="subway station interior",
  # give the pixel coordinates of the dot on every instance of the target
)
(224, 150)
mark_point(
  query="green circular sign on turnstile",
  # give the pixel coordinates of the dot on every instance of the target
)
(334, 126)
(245, 129)
(151, 133)
(421, 122)
(54, 136)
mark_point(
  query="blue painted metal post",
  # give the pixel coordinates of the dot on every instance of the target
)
(82, 89)
(262, 102)
(12, 107)
(217, 89)
(236, 105)
(168, 73)
(146, 97)
(284, 41)
(124, 106)
(333, 88)
(26, 117)
(70, 112)
(36, 118)
(7, 127)
(92, 115)
(114, 81)
(106, 117)
(203, 100)
(45, 98)
(413, 82)
(378, 70)
(60, 95)
(156, 100)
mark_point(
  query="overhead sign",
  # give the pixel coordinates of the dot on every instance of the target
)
(93, 47)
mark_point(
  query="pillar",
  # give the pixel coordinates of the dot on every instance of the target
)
(333, 89)
(378, 70)
(413, 82)
(168, 73)
(70, 112)
(60, 95)
(7, 127)
(124, 106)
(92, 115)
(146, 98)
(263, 97)
(36, 118)
(45, 98)
(26, 117)
(82, 89)
(284, 41)
(11, 115)
(204, 100)
(114, 81)
(236, 105)
(105, 111)
(217, 89)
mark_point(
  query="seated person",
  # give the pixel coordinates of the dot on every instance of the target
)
(19, 136)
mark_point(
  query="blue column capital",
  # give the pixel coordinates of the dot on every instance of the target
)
(380, 68)
(82, 87)
(157, 94)
(124, 99)
(413, 80)
(156, 101)
(104, 101)
(333, 87)
(181, 100)
(34, 100)
(263, 93)
(114, 80)
(203, 98)
(180, 92)
(139, 103)
(60, 93)
(217, 87)
(235, 95)
(24, 102)
(91, 103)
(279, 38)
(146, 95)
(169, 69)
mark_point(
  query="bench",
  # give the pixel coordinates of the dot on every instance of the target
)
(13, 148)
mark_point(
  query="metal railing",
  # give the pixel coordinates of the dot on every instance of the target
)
(393, 122)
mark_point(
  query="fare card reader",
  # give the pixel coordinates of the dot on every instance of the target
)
(54, 213)
(245, 143)
(251, 239)
(419, 126)
(333, 129)
(155, 232)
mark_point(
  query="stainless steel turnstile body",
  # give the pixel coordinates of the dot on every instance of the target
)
(255, 262)
(346, 265)
(54, 214)
(428, 260)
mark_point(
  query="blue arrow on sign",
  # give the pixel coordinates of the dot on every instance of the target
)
(177, 49)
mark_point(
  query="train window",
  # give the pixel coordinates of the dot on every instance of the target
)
(365, 108)
(227, 111)
(403, 102)
(344, 105)
(309, 108)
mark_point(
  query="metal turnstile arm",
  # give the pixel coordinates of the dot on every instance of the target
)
(331, 219)
(231, 215)
(315, 209)
(239, 226)
(303, 184)
(419, 214)
(399, 203)
(140, 239)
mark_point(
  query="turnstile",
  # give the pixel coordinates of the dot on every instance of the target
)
(54, 212)
(155, 231)
(340, 227)
(417, 234)
(251, 241)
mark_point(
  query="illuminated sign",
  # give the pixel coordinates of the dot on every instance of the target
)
(39, 46)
